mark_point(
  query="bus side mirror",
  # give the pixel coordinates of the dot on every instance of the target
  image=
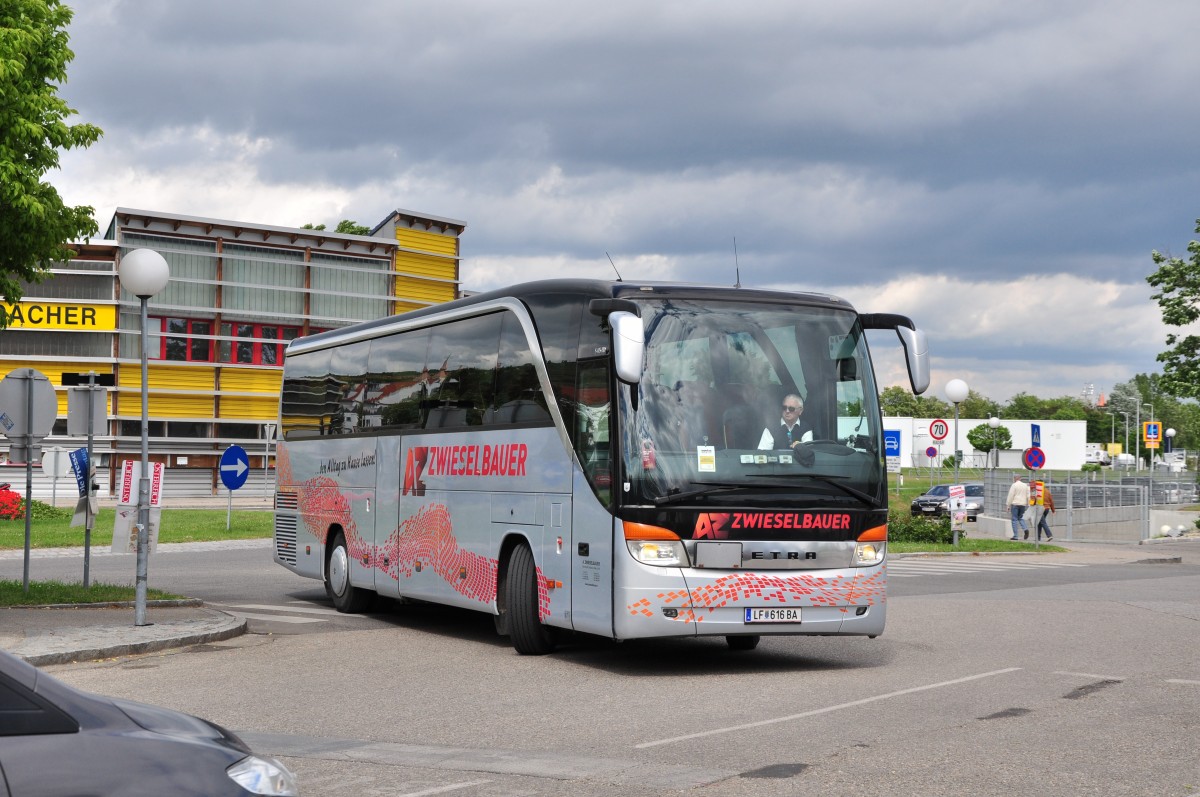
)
(916, 353)
(629, 343)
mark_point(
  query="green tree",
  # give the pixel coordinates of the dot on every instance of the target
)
(982, 436)
(345, 226)
(352, 228)
(1178, 283)
(897, 402)
(35, 224)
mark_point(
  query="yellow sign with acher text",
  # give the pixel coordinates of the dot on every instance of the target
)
(60, 315)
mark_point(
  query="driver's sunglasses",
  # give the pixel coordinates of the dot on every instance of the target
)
(790, 408)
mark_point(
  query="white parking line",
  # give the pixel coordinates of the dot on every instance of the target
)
(278, 618)
(272, 608)
(826, 710)
(1091, 675)
(443, 789)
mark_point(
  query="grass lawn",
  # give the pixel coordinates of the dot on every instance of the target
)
(178, 525)
(43, 593)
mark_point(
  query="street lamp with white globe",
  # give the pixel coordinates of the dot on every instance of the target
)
(144, 273)
(957, 392)
(994, 422)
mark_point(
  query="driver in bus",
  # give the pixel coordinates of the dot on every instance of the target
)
(791, 431)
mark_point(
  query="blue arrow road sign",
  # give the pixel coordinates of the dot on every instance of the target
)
(235, 467)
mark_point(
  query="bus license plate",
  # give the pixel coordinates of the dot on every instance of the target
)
(791, 615)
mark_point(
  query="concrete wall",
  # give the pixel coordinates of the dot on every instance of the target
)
(1063, 442)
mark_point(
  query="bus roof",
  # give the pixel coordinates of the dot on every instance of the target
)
(616, 289)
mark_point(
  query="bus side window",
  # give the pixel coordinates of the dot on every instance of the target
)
(518, 396)
(400, 382)
(465, 354)
(303, 409)
(348, 370)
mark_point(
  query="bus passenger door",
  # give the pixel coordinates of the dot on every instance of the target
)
(591, 562)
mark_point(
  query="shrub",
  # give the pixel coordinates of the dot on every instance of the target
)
(903, 527)
(12, 507)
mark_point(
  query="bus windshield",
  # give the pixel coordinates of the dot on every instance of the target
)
(749, 402)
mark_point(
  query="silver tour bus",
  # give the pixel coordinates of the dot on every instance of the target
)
(596, 457)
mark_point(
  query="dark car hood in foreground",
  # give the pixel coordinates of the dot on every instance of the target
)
(120, 747)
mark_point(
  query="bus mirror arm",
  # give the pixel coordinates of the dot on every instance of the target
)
(629, 343)
(916, 348)
(916, 353)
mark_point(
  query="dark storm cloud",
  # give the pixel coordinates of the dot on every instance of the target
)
(852, 143)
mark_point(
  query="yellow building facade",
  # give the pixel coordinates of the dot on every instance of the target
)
(238, 292)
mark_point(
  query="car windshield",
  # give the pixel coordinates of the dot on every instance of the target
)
(708, 421)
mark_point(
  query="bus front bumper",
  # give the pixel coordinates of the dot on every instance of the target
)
(665, 602)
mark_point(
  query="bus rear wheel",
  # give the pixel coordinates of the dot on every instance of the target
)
(529, 635)
(345, 596)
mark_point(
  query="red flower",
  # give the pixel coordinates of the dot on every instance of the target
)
(11, 505)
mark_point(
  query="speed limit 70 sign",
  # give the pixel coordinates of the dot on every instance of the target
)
(938, 429)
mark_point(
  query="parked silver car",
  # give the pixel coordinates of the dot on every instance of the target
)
(935, 502)
(59, 740)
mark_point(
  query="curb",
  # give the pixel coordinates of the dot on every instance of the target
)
(182, 634)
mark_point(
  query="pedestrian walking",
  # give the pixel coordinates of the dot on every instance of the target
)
(1018, 501)
(1047, 508)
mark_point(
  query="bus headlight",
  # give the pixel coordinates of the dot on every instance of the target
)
(871, 547)
(868, 553)
(658, 552)
(652, 545)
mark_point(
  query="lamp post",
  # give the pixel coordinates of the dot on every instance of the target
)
(143, 273)
(994, 422)
(957, 391)
(1126, 414)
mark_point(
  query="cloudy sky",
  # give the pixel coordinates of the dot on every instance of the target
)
(999, 170)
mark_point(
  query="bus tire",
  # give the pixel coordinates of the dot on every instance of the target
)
(345, 596)
(529, 635)
(742, 642)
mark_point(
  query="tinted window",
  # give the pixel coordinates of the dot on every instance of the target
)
(401, 382)
(518, 395)
(464, 354)
(306, 407)
(348, 374)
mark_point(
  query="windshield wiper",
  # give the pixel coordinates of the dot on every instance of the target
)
(833, 482)
(675, 495)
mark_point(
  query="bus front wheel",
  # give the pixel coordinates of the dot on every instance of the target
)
(529, 635)
(345, 596)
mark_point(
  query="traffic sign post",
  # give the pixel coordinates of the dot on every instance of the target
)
(28, 408)
(1152, 434)
(235, 468)
(891, 450)
(938, 429)
(87, 406)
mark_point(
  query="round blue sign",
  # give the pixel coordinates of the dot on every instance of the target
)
(235, 467)
(931, 452)
(1034, 458)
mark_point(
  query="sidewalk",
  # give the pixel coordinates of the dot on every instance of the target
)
(62, 634)
(81, 632)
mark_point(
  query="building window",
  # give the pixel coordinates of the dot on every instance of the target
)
(253, 344)
(183, 340)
